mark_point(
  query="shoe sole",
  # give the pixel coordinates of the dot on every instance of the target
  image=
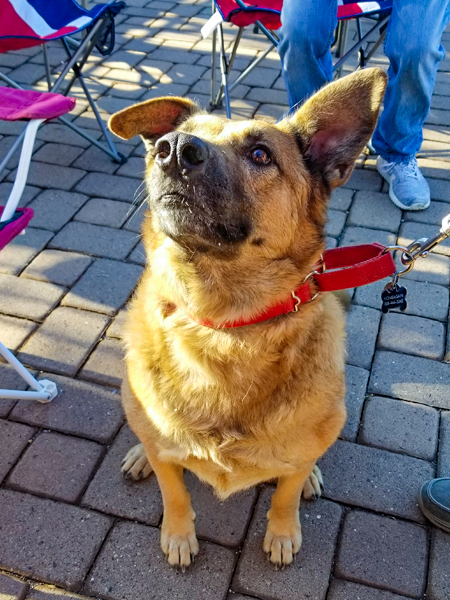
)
(432, 518)
(397, 202)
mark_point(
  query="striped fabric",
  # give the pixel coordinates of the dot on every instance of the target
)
(268, 11)
(25, 23)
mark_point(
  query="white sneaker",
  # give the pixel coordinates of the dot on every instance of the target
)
(408, 188)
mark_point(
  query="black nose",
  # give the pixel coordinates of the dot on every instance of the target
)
(181, 152)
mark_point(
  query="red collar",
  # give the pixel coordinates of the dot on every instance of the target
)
(340, 269)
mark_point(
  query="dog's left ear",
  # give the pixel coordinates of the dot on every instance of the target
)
(152, 119)
(333, 126)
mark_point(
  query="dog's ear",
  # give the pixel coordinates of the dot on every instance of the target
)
(333, 126)
(151, 119)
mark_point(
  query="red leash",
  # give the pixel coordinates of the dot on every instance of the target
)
(340, 269)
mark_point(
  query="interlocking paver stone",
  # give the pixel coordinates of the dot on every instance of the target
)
(372, 209)
(9, 380)
(104, 287)
(56, 266)
(221, 522)
(309, 573)
(45, 175)
(134, 167)
(424, 299)
(79, 408)
(134, 223)
(138, 255)
(15, 331)
(369, 181)
(347, 590)
(433, 215)
(111, 493)
(438, 580)
(116, 327)
(94, 239)
(45, 592)
(14, 437)
(362, 235)
(336, 222)
(362, 331)
(108, 186)
(27, 298)
(57, 466)
(341, 198)
(411, 378)
(48, 540)
(105, 366)
(58, 154)
(444, 445)
(435, 268)
(401, 427)
(376, 479)
(11, 588)
(64, 341)
(54, 208)
(100, 211)
(412, 335)
(22, 249)
(383, 552)
(356, 385)
(131, 563)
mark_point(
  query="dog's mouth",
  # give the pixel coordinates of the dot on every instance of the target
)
(199, 222)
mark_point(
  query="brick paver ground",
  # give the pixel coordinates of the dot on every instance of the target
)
(70, 525)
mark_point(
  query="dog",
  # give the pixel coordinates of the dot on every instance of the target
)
(237, 220)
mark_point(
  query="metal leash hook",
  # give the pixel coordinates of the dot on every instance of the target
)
(393, 295)
(424, 245)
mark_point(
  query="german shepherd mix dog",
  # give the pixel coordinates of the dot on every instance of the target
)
(238, 210)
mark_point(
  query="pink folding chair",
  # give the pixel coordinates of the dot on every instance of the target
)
(36, 107)
(265, 16)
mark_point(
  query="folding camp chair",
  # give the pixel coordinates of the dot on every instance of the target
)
(265, 16)
(26, 23)
(36, 107)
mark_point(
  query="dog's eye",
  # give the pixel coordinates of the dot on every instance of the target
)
(260, 156)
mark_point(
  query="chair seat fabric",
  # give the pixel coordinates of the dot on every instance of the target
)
(29, 104)
(11, 228)
(268, 11)
(26, 23)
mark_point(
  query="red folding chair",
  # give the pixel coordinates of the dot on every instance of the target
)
(36, 108)
(26, 23)
(265, 16)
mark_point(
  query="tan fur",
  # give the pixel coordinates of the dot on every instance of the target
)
(241, 406)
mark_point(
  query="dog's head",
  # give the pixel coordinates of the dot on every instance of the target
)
(249, 190)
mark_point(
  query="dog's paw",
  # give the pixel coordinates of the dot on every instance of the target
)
(282, 544)
(180, 548)
(135, 465)
(314, 485)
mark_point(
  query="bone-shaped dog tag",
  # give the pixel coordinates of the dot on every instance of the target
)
(393, 296)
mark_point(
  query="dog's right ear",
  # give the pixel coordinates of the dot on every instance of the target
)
(152, 119)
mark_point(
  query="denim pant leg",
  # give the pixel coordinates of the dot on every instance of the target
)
(413, 46)
(305, 39)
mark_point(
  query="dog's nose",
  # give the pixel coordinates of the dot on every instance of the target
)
(181, 152)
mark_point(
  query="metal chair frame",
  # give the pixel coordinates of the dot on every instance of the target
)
(226, 62)
(78, 53)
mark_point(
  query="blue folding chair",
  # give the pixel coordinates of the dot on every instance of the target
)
(27, 23)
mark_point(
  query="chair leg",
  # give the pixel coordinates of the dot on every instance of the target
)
(22, 169)
(45, 390)
(224, 73)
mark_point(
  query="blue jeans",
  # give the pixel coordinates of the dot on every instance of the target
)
(413, 46)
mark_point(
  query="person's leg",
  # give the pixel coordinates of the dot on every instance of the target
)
(306, 36)
(413, 46)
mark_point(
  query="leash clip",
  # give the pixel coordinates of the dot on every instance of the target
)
(422, 246)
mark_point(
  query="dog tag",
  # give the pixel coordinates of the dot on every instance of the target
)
(393, 296)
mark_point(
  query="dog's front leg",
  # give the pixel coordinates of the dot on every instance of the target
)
(284, 535)
(178, 540)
